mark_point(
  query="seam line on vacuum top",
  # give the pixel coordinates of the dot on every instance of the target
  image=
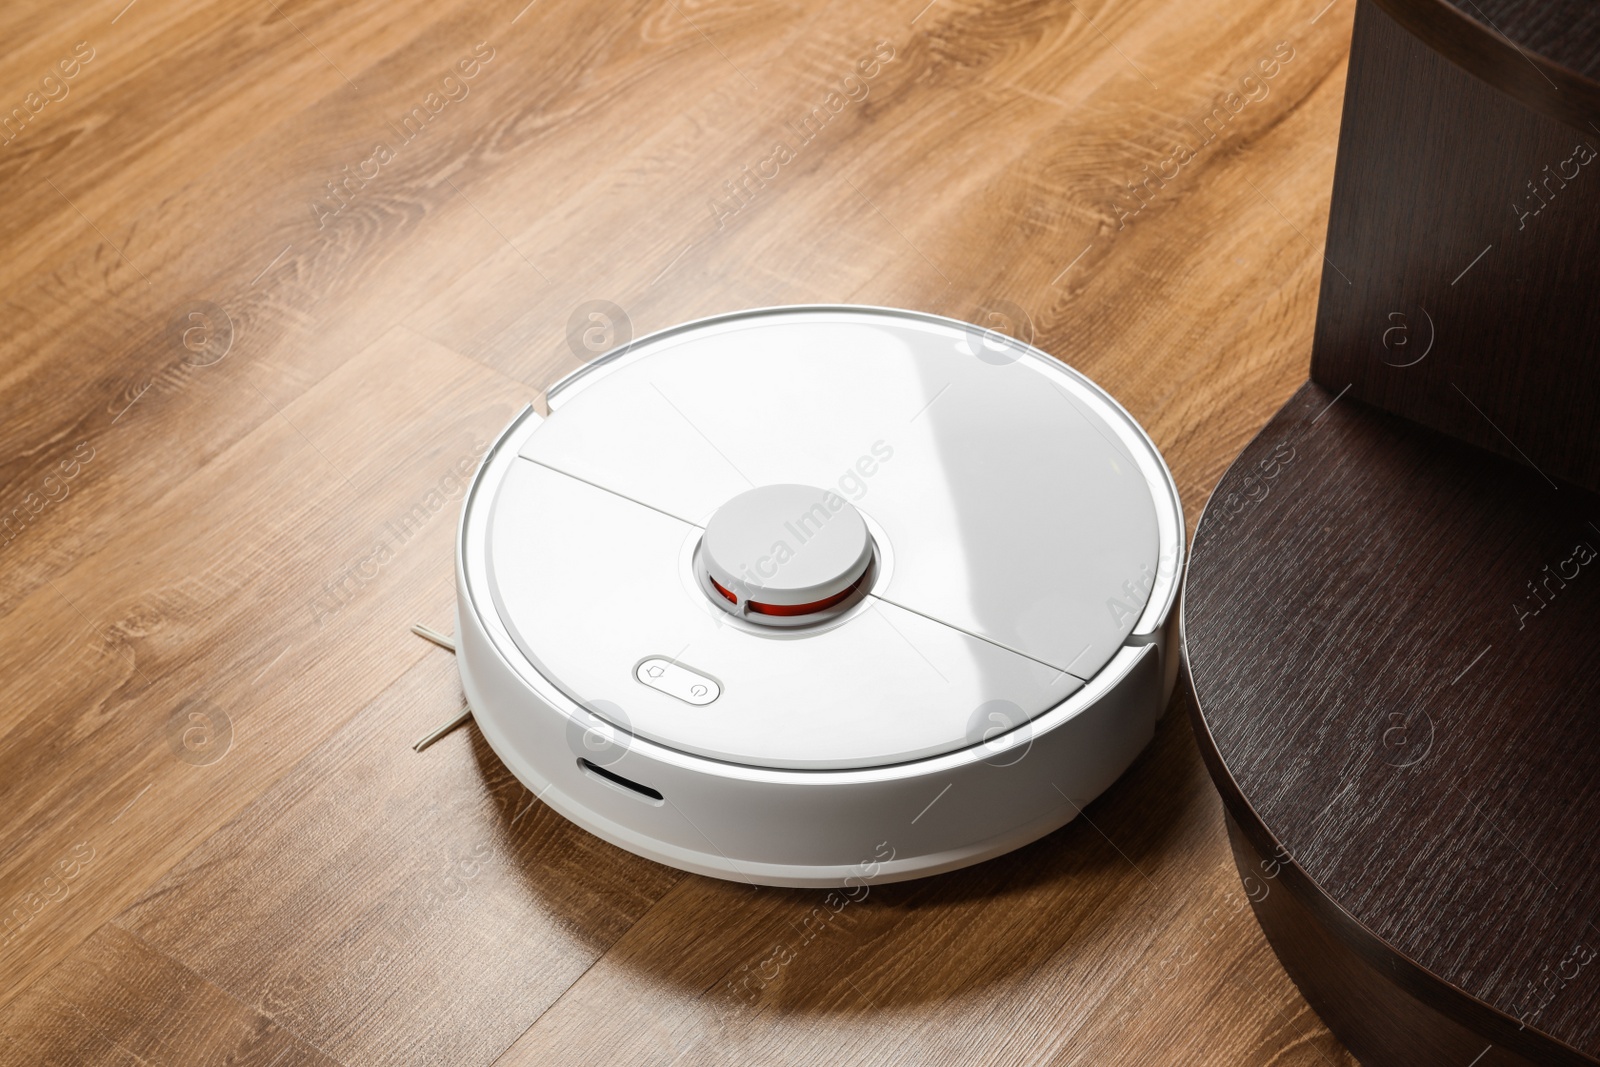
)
(875, 596)
(606, 489)
(977, 637)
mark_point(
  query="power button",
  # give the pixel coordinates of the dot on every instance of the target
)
(676, 680)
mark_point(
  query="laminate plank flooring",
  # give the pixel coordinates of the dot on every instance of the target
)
(275, 274)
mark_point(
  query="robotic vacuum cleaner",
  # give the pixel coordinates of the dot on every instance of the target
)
(816, 596)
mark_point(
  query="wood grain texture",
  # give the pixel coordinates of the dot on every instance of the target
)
(1461, 241)
(120, 1001)
(1545, 55)
(1432, 833)
(508, 902)
(1389, 669)
(1379, 1021)
(1567, 34)
(235, 402)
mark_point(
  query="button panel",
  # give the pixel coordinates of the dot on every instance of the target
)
(676, 680)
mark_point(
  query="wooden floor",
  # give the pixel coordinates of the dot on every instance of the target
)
(275, 271)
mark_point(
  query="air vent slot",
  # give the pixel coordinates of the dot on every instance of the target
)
(643, 792)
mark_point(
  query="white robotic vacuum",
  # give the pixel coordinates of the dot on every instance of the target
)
(818, 596)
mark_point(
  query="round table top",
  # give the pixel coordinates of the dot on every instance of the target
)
(1391, 640)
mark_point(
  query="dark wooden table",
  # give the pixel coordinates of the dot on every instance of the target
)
(1390, 628)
